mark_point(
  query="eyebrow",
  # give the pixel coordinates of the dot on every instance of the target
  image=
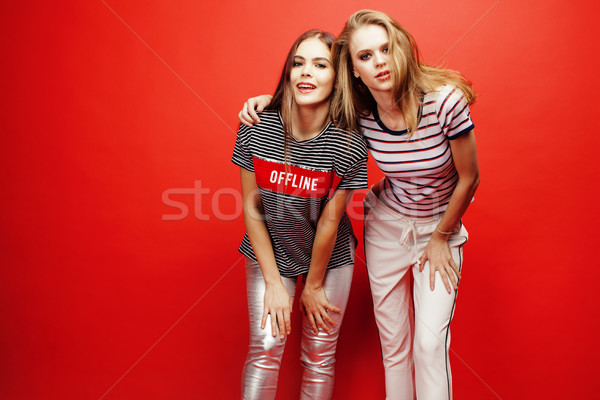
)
(315, 59)
(383, 45)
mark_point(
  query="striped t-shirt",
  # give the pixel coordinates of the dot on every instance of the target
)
(294, 196)
(420, 173)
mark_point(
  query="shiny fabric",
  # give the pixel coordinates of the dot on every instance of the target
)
(411, 338)
(261, 370)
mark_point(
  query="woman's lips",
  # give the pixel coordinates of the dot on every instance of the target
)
(383, 75)
(305, 87)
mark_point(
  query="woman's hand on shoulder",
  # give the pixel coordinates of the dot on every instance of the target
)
(315, 305)
(248, 116)
(278, 304)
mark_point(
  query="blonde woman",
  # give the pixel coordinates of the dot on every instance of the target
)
(417, 123)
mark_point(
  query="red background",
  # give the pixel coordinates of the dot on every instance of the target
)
(107, 292)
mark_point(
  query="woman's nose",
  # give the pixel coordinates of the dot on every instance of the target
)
(379, 59)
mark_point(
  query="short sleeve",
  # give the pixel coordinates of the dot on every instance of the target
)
(453, 113)
(241, 152)
(354, 175)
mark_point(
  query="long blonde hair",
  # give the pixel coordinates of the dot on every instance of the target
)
(411, 77)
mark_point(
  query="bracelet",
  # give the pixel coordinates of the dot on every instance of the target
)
(442, 232)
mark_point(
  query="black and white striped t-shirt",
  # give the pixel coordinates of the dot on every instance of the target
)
(420, 172)
(294, 196)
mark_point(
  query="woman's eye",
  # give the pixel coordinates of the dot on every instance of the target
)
(385, 50)
(365, 56)
(323, 66)
(297, 64)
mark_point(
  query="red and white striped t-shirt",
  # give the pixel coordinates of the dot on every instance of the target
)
(420, 173)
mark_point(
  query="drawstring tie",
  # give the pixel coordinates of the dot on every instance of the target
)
(408, 227)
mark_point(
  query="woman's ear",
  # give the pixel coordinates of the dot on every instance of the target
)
(355, 73)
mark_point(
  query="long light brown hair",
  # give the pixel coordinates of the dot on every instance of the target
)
(283, 98)
(411, 77)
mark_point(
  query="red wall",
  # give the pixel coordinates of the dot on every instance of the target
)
(108, 292)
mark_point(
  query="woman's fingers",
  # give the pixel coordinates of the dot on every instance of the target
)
(444, 276)
(455, 269)
(244, 115)
(281, 324)
(327, 320)
(431, 277)
(452, 279)
(316, 309)
(252, 105)
(453, 274)
(320, 319)
(287, 322)
(333, 308)
(249, 114)
(243, 119)
(263, 321)
(321, 323)
(422, 261)
(273, 324)
(448, 275)
(313, 324)
(280, 321)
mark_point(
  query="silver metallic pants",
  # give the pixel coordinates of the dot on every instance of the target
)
(261, 370)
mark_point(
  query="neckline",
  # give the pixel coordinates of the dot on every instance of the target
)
(306, 140)
(385, 128)
(404, 131)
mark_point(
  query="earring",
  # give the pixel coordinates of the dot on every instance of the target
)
(355, 74)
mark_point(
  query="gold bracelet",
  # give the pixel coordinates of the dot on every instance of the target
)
(442, 232)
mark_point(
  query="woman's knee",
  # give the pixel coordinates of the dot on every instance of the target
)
(428, 348)
(266, 346)
(319, 352)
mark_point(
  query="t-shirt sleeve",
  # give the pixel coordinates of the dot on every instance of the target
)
(454, 114)
(241, 152)
(354, 175)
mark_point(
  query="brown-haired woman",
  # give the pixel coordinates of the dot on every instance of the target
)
(297, 172)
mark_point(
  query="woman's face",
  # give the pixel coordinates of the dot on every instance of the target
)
(369, 52)
(312, 75)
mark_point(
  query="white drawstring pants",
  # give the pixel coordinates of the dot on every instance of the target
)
(414, 330)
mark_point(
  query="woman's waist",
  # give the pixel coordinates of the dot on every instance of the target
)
(380, 196)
